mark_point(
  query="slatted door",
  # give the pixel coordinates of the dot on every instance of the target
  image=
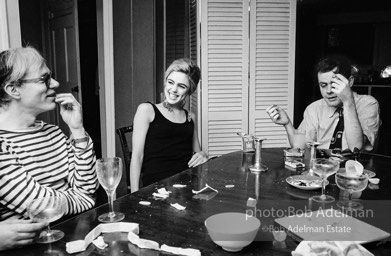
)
(224, 51)
(272, 62)
(247, 61)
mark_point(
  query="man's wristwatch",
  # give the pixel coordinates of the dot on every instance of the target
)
(80, 140)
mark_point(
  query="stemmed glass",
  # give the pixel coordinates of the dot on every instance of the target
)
(324, 168)
(109, 171)
(47, 209)
(258, 166)
(351, 184)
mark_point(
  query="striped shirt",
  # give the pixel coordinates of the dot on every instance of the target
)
(40, 162)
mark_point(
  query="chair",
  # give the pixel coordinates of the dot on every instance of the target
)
(127, 154)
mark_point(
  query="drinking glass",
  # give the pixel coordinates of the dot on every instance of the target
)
(350, 184)
(324, 168)
(313, 145)
(109, 171)
(247, 142)
(47, 209)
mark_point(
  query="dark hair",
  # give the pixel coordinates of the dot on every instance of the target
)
(342, 63)
(14, 65)
(187, 67)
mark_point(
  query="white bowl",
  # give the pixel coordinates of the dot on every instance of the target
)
(232, 230)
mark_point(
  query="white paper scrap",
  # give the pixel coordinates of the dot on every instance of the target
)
(75, 246)
(119, 227)
(180, 251)
(100, 243)
(133, 238)
(81, 245)
(178, 206)
(206, 187)
(163, 191)
(374, 181)
(143, 243)
(146, 203)
(159, 195)
(229, 186)
(251, 202)
(179, 186)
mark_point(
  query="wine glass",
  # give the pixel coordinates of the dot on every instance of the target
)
(47, 209)
(351, 184)
(323, 168)
(109, 171)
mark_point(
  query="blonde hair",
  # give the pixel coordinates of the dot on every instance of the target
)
(187, 67)
(15, 64)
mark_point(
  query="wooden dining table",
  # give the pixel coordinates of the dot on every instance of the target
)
(230, 176)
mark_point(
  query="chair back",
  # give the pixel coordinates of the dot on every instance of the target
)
(127, 154)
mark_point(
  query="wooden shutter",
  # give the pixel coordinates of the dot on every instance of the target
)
(224, 63)
(193, 42)
(272, 61)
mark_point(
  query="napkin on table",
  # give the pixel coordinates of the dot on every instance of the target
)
(330, 248)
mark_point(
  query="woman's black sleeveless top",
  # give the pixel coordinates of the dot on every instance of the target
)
(168, 148)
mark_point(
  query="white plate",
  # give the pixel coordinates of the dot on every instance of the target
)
(305, 182)
(370, 174)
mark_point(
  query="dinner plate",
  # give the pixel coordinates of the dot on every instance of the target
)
(370, 174)
(305, 182)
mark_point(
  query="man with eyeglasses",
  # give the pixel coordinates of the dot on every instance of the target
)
(342, 119)
(37, 159)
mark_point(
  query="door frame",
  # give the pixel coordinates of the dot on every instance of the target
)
(10, 35)
(104, 11)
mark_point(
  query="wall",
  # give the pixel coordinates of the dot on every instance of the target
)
(134, 60)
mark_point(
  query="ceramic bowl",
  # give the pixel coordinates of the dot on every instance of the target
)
(232, 230)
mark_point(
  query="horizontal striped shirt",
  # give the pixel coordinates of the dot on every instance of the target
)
(40, 162)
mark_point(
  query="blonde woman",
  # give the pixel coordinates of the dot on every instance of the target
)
(165, 140)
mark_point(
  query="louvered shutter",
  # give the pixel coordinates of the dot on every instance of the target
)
(224, 63)
(272, 61)
(193, 42)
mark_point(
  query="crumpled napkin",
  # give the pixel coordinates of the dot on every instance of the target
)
(330, 248)
(162, 193)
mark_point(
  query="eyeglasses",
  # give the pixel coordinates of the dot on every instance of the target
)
(43, 79)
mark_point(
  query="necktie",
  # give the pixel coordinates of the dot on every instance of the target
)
(336, 140)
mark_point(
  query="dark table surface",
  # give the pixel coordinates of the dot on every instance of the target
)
(164, 224)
